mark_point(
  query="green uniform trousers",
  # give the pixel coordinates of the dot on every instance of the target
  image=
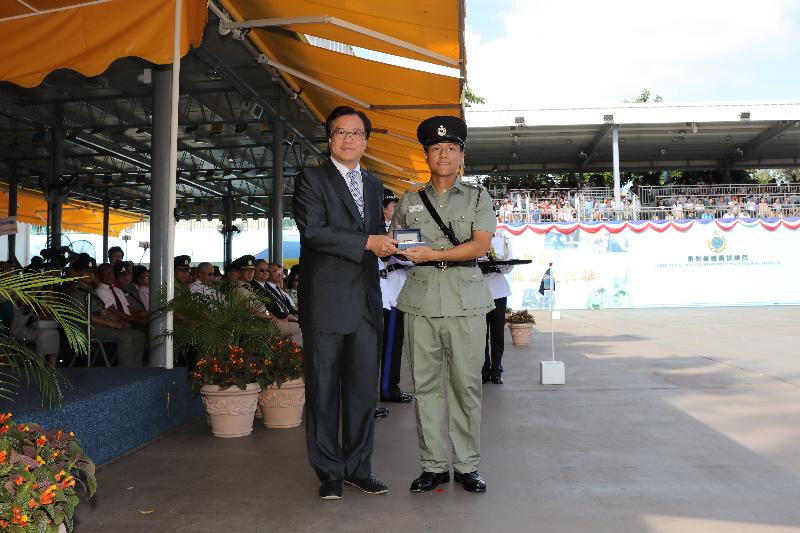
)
(446, 355)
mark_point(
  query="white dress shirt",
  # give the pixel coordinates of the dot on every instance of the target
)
(106, 293)
(496, 281)
(199, 288)
(343, 170)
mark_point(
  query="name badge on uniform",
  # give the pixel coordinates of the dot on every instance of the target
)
(415, 208)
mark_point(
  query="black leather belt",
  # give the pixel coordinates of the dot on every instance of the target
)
(443, 265)
(395, 266)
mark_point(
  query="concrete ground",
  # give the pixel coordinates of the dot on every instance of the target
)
(672, 420)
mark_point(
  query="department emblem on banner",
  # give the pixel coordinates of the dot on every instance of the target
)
(717, 243)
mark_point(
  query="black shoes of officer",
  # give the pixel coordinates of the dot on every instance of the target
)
(381, 412)
(429, 481)
(331, 489)
(472, 481)
(370, 485)
(400, 397)
(497, 379)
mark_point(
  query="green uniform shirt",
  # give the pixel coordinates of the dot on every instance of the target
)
(78, 295)
(455, 291)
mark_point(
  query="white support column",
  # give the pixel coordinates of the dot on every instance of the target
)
(615, 151)
(166, 92)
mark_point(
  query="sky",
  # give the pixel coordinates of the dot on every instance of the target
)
(529, 54)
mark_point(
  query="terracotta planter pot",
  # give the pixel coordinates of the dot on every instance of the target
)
(520, 333)
(230, 411)
(283, 407)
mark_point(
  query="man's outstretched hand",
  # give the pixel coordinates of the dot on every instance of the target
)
(381, 245)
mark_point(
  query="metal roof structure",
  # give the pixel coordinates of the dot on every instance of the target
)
(652, 137)
(227, 107)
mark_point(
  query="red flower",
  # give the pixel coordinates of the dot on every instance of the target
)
(3, 456)
(4, 417)
(41, 441)
(47, 497)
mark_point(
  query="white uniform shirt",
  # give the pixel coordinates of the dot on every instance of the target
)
(104, 292)
(496, 281)
(393, 283)
(199, 288)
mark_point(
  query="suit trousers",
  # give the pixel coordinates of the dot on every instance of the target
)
(446, 353)
(392, 353)
(495, 338)
(341, 369)
(130, 344)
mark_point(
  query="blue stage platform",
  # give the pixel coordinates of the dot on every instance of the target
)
(113, 410)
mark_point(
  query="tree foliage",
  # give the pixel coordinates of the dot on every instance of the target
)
(472, 98)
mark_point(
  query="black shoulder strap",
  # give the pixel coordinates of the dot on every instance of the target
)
(448, 232)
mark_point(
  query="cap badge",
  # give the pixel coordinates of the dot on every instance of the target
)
(91, 264)
(442, 131)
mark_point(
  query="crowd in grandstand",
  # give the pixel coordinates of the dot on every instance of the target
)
(575, 205)
(116, 297)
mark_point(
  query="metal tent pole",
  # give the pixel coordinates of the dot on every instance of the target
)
(615, 150)
(13, 184)
(276, 247)
(106, 213)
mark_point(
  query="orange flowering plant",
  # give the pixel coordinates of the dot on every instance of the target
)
(39, 475)
(287, 361)
(236, 367)
(233, 346)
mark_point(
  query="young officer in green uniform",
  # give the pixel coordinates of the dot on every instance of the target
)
(445, 301)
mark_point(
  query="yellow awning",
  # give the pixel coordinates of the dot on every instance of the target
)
(78, 216)
(429, 31)
(40, 36)
(396, 99)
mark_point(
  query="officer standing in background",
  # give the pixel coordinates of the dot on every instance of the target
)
(495, 277)
(393, 276)
(445, 301)
(182, 265)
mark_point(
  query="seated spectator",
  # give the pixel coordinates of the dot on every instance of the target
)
(763, 208)
(204, 282)
(115, 254)
(27, 327)
(182, 264)
(106, 326)
(245, 267)
(114, 299)
(123, 279)
(141, 278)
(293, 282)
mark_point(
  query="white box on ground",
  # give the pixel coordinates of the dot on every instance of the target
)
(556, 315)
(552, 372)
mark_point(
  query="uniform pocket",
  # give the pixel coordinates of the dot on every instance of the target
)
(474, 293)
(416, 287)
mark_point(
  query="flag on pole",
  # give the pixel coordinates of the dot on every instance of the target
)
(548, 282)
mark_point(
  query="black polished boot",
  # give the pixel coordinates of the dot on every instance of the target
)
(429, 481)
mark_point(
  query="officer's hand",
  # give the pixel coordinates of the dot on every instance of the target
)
(381, 245)
(420, 254)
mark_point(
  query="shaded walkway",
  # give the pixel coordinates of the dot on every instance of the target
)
(671, 420)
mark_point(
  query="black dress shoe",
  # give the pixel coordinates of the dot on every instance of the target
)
(400, 397)
(369, 484)
(497, 379)
(331, 489)
(429, 481)
(485, 378)
(472, 481)
(381, 412)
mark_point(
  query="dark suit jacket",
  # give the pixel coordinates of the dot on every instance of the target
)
(338, 277)
(269, 300)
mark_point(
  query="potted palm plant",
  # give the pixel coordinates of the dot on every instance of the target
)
(520, 323)
(18, 362)
(233, 349)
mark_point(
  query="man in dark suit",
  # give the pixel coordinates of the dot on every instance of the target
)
(338, 210)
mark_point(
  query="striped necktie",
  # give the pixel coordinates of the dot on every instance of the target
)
(352, 182)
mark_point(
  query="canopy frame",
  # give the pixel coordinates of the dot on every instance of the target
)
(327, 19)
